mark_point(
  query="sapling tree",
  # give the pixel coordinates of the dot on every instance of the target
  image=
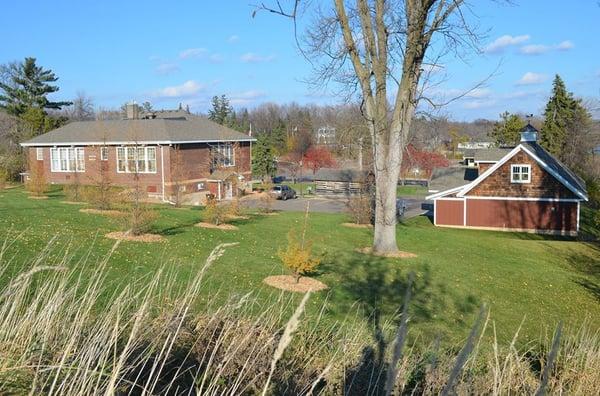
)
(297, 256)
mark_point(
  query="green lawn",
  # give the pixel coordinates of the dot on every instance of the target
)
(403, 191)
(543, 280)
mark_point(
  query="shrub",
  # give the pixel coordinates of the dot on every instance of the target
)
(140, 216)
(37, 184)
(298, 256)
(3, 178)
(234, 208)
(360, 209)
(266, 199)
(215, 213)
(73, 192)
(101, 197)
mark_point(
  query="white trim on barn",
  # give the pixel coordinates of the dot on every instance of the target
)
(511, 154)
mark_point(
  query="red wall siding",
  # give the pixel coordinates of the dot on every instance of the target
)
(449, 212)
(542, 184)
(527, 215)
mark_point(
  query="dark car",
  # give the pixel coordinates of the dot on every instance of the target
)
(283, 192)
(400, 210)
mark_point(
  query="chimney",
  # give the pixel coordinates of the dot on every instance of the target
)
(132, 111)
(529, 134)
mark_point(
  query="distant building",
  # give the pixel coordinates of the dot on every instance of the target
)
(325, 135)
(161, 151)
(474, 145)
(520, 189)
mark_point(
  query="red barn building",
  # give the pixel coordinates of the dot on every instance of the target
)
(527, 189)
(165, 150)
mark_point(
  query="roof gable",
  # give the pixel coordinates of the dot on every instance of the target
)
(550, 164)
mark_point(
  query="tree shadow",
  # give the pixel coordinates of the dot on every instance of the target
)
(586, 264)
(379, 286)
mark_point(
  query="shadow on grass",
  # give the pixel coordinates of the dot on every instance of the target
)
(586, 264)
(379, 286)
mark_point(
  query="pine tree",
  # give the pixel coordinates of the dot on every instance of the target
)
(506, 132)
(263, 164)
(28, 86)
(220, 109)
(558, 115)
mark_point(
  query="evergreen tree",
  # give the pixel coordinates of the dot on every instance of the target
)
(278, 138)
(220, 109)
(559, 113)
(263, 162)
(507, 131)
(28, 86)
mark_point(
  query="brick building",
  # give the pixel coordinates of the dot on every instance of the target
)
(526, 189)
(166, 150)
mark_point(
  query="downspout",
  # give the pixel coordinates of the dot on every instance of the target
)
(162, 175)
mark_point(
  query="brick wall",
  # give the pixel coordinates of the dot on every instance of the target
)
(542, 183)
(194, 167)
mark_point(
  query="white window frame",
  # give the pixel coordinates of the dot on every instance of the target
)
(517, 170)
(132, 154)
(226, 153)
(67, 159)
(39, 154)
(104, 153)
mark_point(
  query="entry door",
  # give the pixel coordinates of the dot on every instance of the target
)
(228, 190)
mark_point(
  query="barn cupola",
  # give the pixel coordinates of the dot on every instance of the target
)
(529, 133)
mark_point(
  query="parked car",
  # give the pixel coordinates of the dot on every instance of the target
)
(283, 192)
(400, 209)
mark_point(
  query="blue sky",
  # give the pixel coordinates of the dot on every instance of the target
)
(188, 51)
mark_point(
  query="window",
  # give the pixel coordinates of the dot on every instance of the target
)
(136, 159)
(223, 155)
(520, 173)
(39, 154)
(67, 159)
(104, 153)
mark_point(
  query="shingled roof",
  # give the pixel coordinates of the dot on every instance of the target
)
(176, 127)
(448, 178)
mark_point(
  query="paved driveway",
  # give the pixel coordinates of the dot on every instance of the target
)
(331, 205)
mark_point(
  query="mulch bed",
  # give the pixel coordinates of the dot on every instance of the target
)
(399, 254)
(125, 236)
(73, 203)
(236, 217)
(38, 197)
(288, 282)
(354, 225)
(224, 227)
(111, 213)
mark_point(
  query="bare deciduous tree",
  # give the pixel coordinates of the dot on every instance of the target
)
(370, 45)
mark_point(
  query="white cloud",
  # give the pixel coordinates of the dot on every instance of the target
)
(216, 58)
(166, 68)
(187, 89)
(251, 57)
(521, 94)
(479, 93)
(565, 45)
(479, 104)
(233, 39)
(538, 49)
(505, 41)
(192, 53)
(531, 78)
(242, 98)
(534, 49)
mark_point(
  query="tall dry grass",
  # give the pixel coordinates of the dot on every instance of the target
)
(59, 336)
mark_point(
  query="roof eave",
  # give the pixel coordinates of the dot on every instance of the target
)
(145, 142)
